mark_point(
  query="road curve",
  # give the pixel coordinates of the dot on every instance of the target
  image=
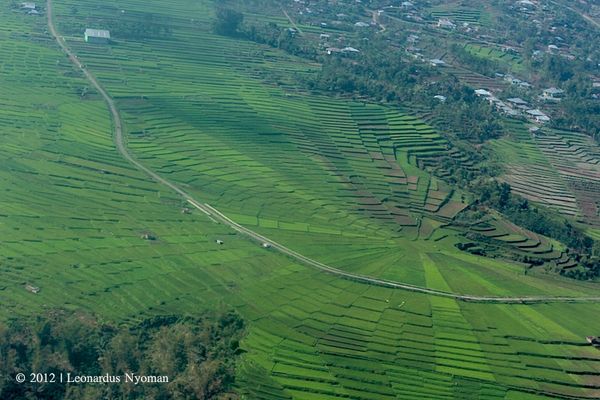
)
(214, 213)
(583, 15)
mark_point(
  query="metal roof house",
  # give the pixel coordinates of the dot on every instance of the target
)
(436, 62)
(446, 23)
(97, 36)
(552, 93)
(483, 92)
(517, 101)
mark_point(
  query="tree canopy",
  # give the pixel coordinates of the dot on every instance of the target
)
(227, 21)
(196, 354)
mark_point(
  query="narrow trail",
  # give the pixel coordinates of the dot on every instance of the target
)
(292, 22)
(217, 215)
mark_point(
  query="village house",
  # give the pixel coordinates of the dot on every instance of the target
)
(350, 50)
(445, 23)
(517, 101)
(483, 92)
(552, 48)
(552, 94)
(509, 49)
(29, 8)
(512, 80)
(412, 39)
(538, 116)
(436, 62)
(97, 36)
(527, 4)
(525, 85)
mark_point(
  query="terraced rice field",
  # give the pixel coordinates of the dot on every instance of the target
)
(458, 15)
(556, 168)
(78, 221)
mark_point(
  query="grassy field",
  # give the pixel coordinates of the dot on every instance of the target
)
(514, 63)
(343, 182)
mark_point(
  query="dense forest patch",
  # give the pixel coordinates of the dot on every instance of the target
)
(196, 355)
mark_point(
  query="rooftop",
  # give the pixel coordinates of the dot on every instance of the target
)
(482, 92)
(516, 100)
(99, 33)
(535, 113)
(553, 90)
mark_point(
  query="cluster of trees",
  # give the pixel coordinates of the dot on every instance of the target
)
(518, 210)
(383, 76)
(582, 114)
(227, 21)
(230, 22)
(378, 74)
(500, 197)
(465, 115)
(278, 37)
(140, 26)
(196, 354)
(578, 111)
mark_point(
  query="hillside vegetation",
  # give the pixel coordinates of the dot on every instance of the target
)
(350, 183)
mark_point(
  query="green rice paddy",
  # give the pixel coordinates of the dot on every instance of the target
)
(340, 181)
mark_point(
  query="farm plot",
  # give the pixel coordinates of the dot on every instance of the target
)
(198, 112)
(512, 61)
(342, 167)
(577, 159)
(531, 174)
(457, 14)
(556, 168)
(93, 233)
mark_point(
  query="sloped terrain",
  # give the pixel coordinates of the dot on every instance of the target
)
(343, 182)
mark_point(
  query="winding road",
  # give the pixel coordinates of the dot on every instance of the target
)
(217, 215)
(583, 15)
